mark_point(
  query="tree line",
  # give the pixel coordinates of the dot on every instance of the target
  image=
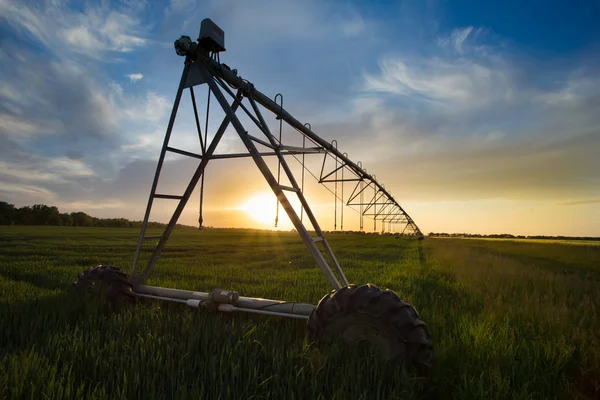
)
(41, 214)
(509, 236)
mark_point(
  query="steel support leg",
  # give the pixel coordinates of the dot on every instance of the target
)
(139, 279)
(161, 159)
(272, 181)
(301, 197)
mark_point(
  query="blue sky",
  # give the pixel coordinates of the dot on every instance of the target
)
(480, 116)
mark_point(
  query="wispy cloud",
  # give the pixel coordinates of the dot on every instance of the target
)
(70, 105)
(94, 31)
(66, 101)
(135, 77)
(468, 123)
(454, 82)
(579, 202)
(458, 39)
(93, 205)
(48, 170)
(17, 191)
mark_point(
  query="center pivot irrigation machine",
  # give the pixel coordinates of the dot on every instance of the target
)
(357, 314)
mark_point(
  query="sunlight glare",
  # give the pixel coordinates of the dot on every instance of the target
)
(261, 208)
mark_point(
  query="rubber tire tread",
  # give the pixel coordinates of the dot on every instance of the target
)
(384, 306)
(106, 280)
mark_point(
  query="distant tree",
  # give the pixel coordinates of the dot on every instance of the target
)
(45, 215)
(8, 213)
(66, 219)
(81, 219)
(24, 216)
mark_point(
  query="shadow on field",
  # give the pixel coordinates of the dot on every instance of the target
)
(436, 289)
(30, 324)
(41, 281)
(21, 239)
(421, 253)
(552, 265)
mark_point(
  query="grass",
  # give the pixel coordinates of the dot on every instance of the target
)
(507, 319)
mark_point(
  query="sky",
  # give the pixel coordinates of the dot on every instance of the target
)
(479, 117)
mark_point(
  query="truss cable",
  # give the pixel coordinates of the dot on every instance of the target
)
(279, 161)
(317, 179)
(201, 148)
(361, 206)
(359, 164)
(200, 219)
(197, 119)
(383, 208)
(374, 206)
(335, 199)
(303, 168)
(358, 211)
(361, 183)
(342, 219)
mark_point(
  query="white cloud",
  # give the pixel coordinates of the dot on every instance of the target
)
(478, 121)
(146, 142)
(150, 108)
(353, 25)
(28, 191)
(55, 170)
(179, 6)
(92, 205)
(93, 32)
(70, 104)
(307, 21)
(135, 77)
(574, 91)
(458, 37)
(453, 82)
(25, 126)
(80, 38)
(69, 168)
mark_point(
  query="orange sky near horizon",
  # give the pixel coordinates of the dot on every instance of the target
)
(240, 197)
(484, 217)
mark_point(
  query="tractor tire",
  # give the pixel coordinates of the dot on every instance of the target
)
(367, 315)
(108, 282)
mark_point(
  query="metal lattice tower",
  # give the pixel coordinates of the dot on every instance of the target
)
(232, 94)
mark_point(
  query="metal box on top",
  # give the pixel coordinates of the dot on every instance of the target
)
(211, 37)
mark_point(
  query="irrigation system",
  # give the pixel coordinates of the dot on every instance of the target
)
(356, 313)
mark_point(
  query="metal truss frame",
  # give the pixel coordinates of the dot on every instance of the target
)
(234, 94)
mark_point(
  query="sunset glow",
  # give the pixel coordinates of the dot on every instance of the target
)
(261, 208)
(477, 124)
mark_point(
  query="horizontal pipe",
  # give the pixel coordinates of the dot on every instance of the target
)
(149, 296)
(257, 305)
(184, 153)
(229, 308)
(251, 303)
(301, 149)
(272, 153)
(170, 293)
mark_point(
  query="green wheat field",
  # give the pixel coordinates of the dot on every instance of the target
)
(508, 319)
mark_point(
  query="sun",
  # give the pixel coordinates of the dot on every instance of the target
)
(261, 208)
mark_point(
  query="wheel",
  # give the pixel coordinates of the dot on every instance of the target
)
(367, 315)
(107, 281)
